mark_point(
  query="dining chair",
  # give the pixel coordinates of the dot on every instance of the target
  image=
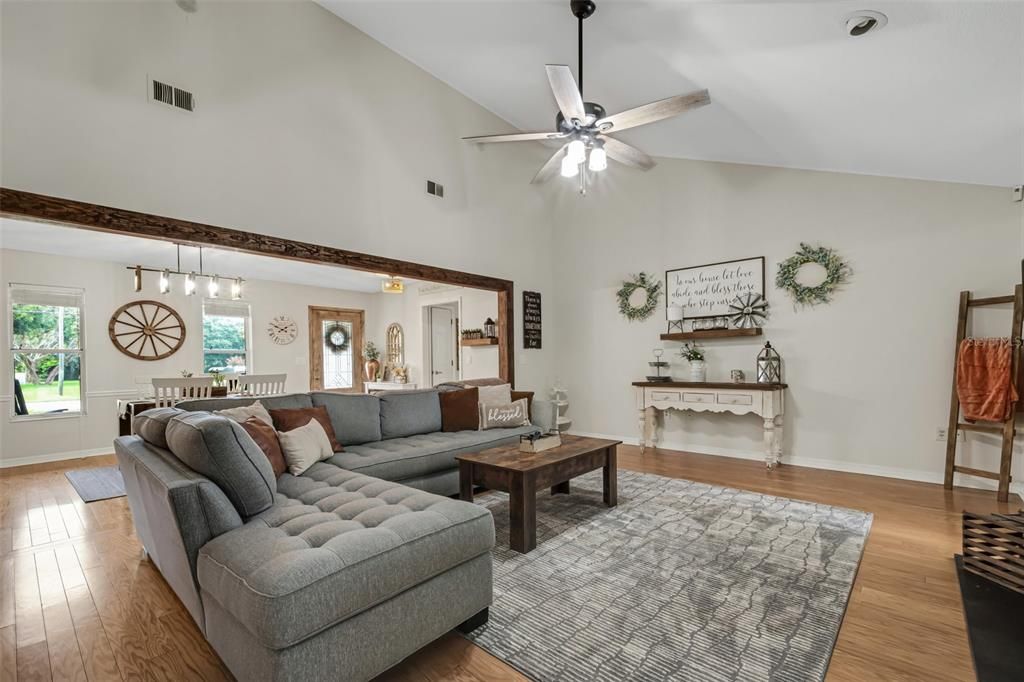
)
(169, 392)
(261, 384)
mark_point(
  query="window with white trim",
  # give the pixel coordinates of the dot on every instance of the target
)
(47, 350)
(226, 334)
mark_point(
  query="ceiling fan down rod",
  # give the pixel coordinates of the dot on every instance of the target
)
(581, 9)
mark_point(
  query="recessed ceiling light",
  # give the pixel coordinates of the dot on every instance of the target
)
(864, 21)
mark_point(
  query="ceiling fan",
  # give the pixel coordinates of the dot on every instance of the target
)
(584, 127)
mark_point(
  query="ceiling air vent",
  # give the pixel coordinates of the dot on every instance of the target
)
(172, 96)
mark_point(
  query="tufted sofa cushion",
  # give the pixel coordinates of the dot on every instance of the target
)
(400, 458)
(334, 544)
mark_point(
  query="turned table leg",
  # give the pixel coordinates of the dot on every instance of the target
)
(769, 442)
(777, 444)
(643, 429)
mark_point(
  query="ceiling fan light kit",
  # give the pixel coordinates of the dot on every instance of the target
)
(584, 127)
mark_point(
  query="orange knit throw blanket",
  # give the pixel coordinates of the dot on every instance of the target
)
(983, 381)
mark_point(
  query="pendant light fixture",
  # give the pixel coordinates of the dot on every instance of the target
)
(392, 285)
(191, 278)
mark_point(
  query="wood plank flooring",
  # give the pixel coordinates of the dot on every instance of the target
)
(78, 601)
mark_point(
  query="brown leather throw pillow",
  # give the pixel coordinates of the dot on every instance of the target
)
(266, 437)
(528, 395)
(292, 418)
(459, 410)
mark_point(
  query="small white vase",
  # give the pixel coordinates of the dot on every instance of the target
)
(698, 370)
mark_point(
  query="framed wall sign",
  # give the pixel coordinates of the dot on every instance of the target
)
(707, 290)
(531, 319)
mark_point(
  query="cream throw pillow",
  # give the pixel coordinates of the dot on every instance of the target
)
(496, 395)
(240, 414)
(305, 446)
(506, 416)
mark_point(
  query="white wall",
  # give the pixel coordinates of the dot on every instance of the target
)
(476, 305)
(111, 375)
(305, 128)
(869, 375)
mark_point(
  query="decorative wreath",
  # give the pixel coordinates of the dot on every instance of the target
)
(641, 312)
(837, 272)
(337, 346)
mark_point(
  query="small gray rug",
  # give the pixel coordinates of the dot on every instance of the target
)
(681, 581)
(101, 483)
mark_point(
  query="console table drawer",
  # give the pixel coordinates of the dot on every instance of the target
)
(735, 399)
(662, 396)
(698, 397)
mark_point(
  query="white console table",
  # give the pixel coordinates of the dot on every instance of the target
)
(763, 400)
(387, 386)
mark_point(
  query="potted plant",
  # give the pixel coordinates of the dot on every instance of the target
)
(218, 377)
(372, 357)
(695, 354)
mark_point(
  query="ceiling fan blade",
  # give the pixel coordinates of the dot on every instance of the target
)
(627, 154)
(566, 92)
(653, 111)
(552, 166)
(517, 137)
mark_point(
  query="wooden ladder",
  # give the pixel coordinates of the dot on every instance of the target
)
(1007, 428)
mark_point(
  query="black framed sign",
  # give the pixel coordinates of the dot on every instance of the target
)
(707, 290)
(531, 319)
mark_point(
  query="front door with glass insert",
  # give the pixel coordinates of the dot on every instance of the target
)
(335, 349)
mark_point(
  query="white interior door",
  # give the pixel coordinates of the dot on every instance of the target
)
(442, 345)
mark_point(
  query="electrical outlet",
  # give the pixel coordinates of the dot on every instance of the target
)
(941, 434)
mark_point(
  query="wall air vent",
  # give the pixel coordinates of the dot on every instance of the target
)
(171, 96)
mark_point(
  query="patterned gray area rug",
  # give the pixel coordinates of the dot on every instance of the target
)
(681, 581)
(101, 483)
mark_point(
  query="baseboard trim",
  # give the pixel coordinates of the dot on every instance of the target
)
(816, 463)
(54, 457)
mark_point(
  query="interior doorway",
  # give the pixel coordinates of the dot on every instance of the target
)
(336, 349)
(442, 327)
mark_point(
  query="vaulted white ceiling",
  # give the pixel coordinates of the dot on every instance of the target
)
(937, 94)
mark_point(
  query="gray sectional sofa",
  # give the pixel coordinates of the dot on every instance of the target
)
(338, 573)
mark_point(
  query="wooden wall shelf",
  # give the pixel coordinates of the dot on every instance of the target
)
(480, 342)
(711, 334)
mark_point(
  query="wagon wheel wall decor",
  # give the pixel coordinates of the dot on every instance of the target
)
(146, 330)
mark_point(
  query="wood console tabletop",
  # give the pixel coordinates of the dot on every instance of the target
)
(522, 474)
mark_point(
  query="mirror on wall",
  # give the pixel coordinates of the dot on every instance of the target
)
(395, 347)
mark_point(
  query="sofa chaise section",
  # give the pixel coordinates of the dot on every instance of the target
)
(329, 575)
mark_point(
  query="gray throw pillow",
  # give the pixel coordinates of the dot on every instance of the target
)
(151, 425)
(225, 453)
(505, 416)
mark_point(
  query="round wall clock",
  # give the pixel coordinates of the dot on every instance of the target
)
(146, 330)
(282, 330)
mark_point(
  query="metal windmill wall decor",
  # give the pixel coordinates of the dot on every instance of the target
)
(748, 310)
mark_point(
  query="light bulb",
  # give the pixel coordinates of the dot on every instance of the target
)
(570, 168)
(137, 278)
(165, 281)
(236, 288)
(214, 286)
(190, 283)
(577, 152)
(598, 158)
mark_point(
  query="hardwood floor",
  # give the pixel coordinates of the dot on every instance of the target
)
(78, 601)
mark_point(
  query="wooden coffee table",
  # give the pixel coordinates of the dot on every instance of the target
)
(522, 474)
